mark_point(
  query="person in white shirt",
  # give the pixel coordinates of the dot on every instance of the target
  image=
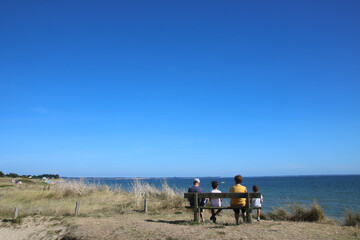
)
(257, 202)
(215, 202)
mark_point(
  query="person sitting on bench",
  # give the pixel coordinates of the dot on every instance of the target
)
(201, 202)
(215, 202)
(238, 202)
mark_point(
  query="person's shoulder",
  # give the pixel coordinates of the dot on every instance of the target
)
(215, 191)
(195, 189)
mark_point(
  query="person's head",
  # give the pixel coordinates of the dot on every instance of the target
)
(196, 182)
(214, 184)
(255, 188)
(238, 179)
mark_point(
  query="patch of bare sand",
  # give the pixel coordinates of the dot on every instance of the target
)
(172, 226)
(32, 228)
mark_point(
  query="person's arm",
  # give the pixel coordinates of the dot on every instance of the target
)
(203, 199)
(261, 199)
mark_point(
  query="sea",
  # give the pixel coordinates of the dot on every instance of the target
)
(336, 194)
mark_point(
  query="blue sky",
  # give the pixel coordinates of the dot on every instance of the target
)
(180, 88)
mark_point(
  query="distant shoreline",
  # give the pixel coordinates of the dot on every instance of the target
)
(207, 177)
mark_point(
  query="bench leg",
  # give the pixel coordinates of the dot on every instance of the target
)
(248, 211)
(195, 214)
(198, 215)
(196, 209)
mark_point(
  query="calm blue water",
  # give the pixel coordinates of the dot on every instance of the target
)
(335, 194)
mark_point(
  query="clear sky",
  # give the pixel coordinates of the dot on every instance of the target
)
(180, 88)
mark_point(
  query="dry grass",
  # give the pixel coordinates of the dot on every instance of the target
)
(163, 198)
(297, 213)
(352, 218)
(95, 200)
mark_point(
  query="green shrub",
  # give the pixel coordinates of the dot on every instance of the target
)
(24, 180)
(12, 175)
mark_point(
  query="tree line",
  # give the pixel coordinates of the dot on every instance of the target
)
(14, 175)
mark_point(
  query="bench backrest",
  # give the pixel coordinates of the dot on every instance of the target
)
(223, 195)
(196, 196)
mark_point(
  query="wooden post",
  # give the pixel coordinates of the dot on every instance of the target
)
(77, 208)
(248, 213)
(16, 213)
(196, 208)
(145, 205)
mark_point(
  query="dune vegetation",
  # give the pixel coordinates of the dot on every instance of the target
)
(35, 197)
(47, 212)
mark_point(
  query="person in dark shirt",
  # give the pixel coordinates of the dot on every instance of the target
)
(197, 189)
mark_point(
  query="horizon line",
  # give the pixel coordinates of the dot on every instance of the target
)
(300, 175)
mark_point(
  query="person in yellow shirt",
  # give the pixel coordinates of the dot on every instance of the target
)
(238, 202)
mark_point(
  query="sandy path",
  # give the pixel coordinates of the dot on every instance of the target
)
(140, 226)
(32, 228)
(167, 226)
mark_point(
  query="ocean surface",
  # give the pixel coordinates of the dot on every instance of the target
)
(335, 194)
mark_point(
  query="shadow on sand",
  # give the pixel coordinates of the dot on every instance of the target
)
(7, 220)
(164, 221)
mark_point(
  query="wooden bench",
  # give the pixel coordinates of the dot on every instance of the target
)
(195, 196)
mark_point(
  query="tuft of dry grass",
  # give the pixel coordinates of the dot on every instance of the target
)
(78, 188)
(279, 214)
(352, 218)
(159, 198)
(297, 213)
